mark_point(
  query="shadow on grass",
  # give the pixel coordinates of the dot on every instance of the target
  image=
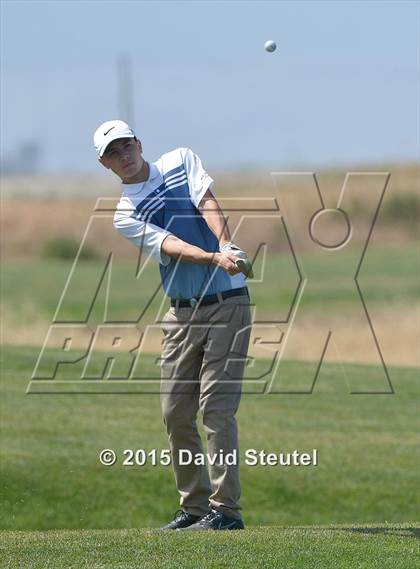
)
(369, 530)
(402, 532)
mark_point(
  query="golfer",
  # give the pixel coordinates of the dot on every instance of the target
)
(167, 209)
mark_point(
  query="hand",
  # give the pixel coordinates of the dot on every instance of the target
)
(227, 261)
(242, 262)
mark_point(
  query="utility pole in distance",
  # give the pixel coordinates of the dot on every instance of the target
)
(125, 88)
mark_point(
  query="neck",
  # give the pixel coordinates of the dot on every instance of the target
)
(141, 176)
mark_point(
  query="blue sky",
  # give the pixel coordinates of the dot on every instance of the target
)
(341, 89)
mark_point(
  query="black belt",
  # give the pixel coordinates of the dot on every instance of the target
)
(209, 298)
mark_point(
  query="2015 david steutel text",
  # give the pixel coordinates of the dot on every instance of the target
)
(250, 457)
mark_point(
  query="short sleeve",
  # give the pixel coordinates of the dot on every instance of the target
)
(198, 179)
(144, 235)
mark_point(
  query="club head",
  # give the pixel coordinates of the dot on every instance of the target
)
(245, 267)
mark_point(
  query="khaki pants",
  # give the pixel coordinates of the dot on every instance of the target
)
(202, 364)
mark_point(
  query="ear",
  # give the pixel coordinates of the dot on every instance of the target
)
(140, 146)
(103, 162)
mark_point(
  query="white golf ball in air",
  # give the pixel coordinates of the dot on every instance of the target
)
(270, 46)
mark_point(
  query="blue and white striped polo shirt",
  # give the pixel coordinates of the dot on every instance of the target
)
(167, 203)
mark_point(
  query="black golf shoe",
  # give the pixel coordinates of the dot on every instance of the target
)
(181, 520)
(215, 520)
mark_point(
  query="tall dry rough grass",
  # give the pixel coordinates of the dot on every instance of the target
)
(38, 209)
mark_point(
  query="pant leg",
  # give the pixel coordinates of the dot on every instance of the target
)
(181, 361)
(220, 393)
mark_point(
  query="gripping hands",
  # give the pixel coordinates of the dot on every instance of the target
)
(243, 263)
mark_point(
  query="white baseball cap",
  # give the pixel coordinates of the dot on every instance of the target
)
(109, 131)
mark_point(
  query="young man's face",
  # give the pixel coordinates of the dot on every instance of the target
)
(123, 157)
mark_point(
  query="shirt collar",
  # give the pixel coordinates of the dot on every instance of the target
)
(153, 173)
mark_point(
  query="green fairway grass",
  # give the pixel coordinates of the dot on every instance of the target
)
(335, 547)
(51, 476)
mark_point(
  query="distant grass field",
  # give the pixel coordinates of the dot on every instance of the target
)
(52, 477)
(386, 276)
(389, 280)
(336, 547)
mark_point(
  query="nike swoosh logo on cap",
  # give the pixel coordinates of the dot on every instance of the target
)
(105, 133)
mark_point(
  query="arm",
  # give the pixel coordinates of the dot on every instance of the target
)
(176, 248)
(212, 213)
(200, 185)
(162, 244)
